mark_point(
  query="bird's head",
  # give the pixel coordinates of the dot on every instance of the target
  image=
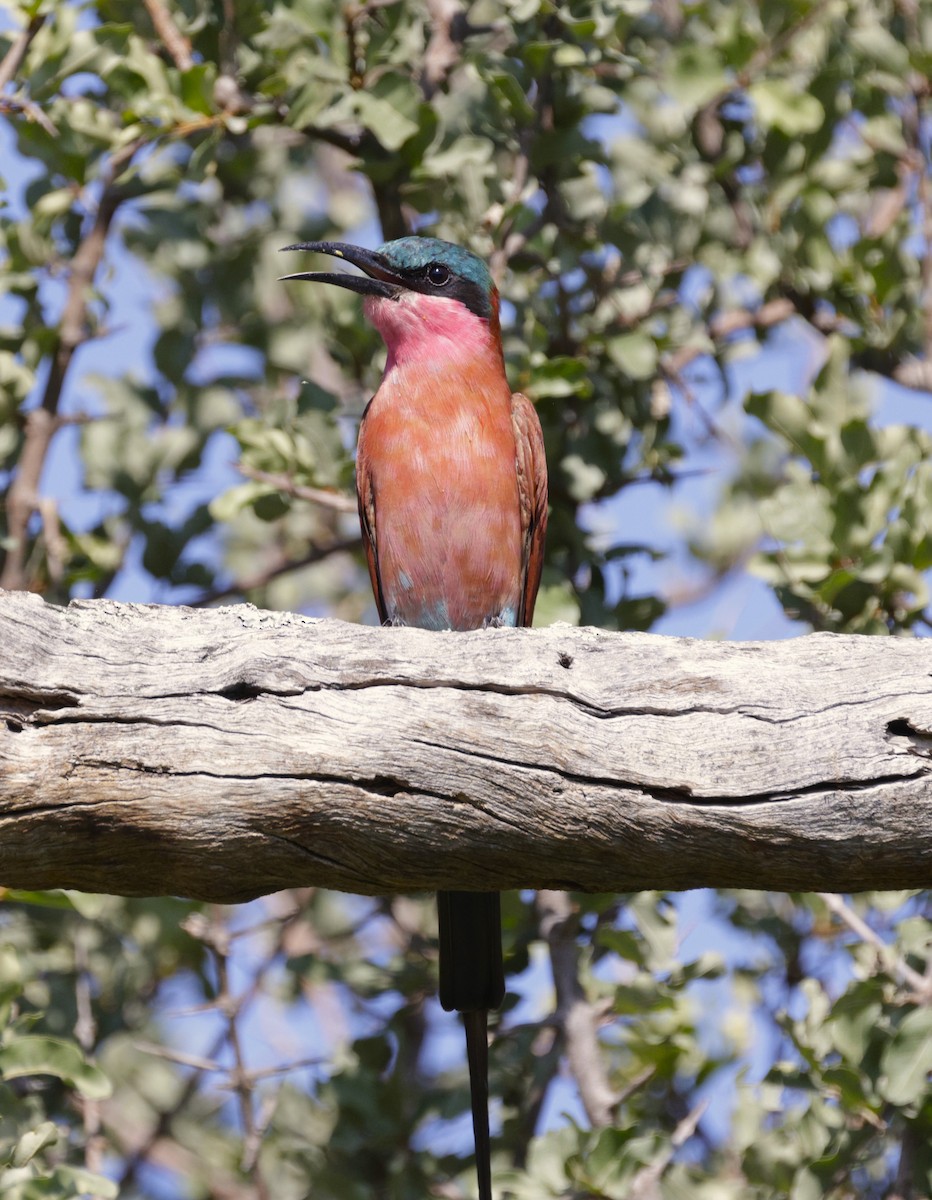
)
(431, 301)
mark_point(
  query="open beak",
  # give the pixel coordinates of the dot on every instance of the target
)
(379, 279)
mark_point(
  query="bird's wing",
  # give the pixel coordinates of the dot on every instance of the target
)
(365, 497)
(532, 496)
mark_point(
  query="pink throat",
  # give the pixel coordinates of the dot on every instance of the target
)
(428, 329)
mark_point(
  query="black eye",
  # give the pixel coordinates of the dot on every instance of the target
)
(438, 274)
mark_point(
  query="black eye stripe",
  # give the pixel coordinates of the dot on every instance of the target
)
(434, 277)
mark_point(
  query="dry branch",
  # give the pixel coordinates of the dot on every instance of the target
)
(174, 41)
(43, 422)
(224, 753)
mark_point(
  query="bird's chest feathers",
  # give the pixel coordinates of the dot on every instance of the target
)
(438, 451)
(437, 434)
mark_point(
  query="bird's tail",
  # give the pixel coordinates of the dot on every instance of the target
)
(472, 980)
(477, 1051)
(472, 975)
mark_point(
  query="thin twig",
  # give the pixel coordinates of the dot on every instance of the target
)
(262, 578)
(924, 197)
(16, 105)
(891, 961)
(635, 1083)
(162, 1126)
(22, 497)
(338, 501)
(443, 50)
(771, 50)
(42, 422)
(732, 321)
(578, 1020)
(174, 41)
(228, 40)
(180, 1057)
(13, 59)
(85, 1032)
(56, 547)
(253, 1143)
(510, 241)
(544, 1062)
(140, 1155)
(296, 1064)
(646, 1183)
(218, 943)
(216, 936)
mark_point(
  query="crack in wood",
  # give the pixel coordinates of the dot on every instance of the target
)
(379, 785)
(34, 699)
(486, 811)
(39, 703)
(315, 855)
(44, 810)
(685, 794)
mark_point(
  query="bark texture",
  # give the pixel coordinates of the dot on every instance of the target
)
(225, 753)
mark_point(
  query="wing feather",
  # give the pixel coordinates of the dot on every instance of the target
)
(365, 498)
(532, 496)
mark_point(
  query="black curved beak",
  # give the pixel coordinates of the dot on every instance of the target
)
(379, 280)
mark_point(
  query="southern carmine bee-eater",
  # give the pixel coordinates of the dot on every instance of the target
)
(451, 480)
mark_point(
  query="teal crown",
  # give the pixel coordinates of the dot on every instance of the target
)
(415, 253)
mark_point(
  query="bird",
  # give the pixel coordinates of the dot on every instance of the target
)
(451, 482)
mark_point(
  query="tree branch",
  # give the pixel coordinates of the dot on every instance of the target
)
(42, 423)
(325, 497)
(646, 1183)
(578, 1019)
(262, 578)
(897, 966)
(443, 49)
(13, 59)
(224, 753)
(174, 41)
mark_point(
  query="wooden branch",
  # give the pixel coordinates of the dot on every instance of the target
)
(224, 753)
(42, 423)
(325, 497)
(578, 1017)
(174, 41)
(13, 59)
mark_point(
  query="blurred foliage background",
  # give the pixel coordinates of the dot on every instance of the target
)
(712, 224)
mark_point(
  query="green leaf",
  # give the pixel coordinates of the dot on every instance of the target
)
(231, 502)
(50, 899)
(89, 904)
(78, 1181)
(556, 603)
(782, 104)
(197, 87)
(559, 376)
(512, 97)
(34, 1054)
(29, 1145)
(635, 354)
(271, 506)
(907, 1060)
(389, 109)
(696, 75)
(854, 1019)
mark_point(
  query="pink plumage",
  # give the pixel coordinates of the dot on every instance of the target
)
(437, 472)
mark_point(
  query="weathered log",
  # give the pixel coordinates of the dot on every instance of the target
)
(224, 753)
